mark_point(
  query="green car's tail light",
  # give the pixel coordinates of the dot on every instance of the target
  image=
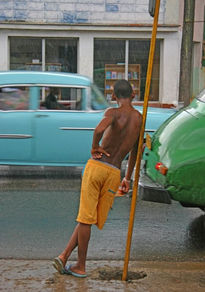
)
(159, 166)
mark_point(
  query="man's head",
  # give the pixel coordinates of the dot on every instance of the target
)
(54, 90)
(123, 89)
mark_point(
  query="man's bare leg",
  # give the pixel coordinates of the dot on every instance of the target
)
(72, 243)
(84, 232)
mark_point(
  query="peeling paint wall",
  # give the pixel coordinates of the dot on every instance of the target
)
(79, 11)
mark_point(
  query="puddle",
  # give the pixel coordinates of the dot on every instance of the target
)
(116, 274)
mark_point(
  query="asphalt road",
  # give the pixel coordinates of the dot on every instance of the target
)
(38, 207)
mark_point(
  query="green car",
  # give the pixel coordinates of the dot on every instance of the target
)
(175, 159)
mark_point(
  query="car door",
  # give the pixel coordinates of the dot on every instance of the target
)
(16, 135)
(64, 135)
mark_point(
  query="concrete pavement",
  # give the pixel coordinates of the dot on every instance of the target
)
(39, 275)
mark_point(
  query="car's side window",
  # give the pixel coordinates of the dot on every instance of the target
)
(14, 98)
(61, 98)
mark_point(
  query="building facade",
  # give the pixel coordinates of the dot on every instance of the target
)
(103, 39)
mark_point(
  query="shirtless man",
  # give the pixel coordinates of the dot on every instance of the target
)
(119, 130)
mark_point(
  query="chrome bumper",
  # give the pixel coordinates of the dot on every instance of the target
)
(153, 192)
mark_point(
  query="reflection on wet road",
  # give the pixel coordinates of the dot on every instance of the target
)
(38, 207)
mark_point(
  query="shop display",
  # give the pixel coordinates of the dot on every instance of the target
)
(114, 72)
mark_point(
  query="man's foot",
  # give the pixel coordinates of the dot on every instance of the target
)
(74, 271)
(59, 265)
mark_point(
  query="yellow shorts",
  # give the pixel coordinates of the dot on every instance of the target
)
(99, 184)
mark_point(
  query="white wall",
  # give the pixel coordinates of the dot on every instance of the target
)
(4, 51)
(81, 11)
(172, 11)
(170, 69)
(86, 54)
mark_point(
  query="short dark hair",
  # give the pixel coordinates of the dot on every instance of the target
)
(122, 89)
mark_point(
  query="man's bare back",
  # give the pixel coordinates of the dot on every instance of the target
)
(119, 129)
(121, 136)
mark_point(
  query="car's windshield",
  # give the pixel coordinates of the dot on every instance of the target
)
(98, 101)
(201, 96)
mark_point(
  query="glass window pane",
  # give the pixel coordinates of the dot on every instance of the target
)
(14, 98)
(25, 54)
(61, 55)
(107, 52)
(61, 98)
(139, 54)
(109, 65)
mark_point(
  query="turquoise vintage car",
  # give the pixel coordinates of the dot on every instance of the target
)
(48, 118)
(175, 158)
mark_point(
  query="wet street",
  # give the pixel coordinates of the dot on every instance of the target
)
(38, 207)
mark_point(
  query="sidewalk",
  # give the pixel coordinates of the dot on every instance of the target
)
(39, 275)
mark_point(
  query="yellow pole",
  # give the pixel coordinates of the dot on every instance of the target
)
(141, 141)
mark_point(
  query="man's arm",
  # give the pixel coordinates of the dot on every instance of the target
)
(131, 162)
(107, 120)
(125, 184)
